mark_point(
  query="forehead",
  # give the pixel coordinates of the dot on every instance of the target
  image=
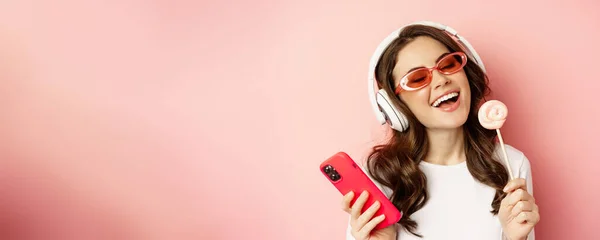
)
(422, 51)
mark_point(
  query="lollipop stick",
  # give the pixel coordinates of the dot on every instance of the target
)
(505, 155)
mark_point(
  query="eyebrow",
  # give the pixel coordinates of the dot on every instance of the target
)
(437, 60)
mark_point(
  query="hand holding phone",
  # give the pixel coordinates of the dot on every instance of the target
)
(362, 198)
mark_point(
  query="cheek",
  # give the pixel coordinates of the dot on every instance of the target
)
(463, 82)
(461, 78)
(416, 100)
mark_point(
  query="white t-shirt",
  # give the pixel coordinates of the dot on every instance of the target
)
(459, 206)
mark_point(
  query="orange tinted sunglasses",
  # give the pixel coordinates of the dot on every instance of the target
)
(421, 77)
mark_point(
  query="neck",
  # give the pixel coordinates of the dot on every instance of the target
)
(446, 146)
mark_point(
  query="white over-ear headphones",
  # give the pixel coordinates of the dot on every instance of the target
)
(381, 101)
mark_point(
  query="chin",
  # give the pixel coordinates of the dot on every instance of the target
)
(451, 125)
(445, 124)
(456, 120)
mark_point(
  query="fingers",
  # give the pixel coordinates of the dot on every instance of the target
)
(362, 223)
(514, 184)
(518, 199)
(367, 215)
(523, 206)
(518, 205)
(364, 232)
(524, 212)
(357, 207)
(528, 217)
(368, 228)
(346, 201)
(514, 197)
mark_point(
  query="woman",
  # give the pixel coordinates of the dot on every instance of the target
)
(440, 167)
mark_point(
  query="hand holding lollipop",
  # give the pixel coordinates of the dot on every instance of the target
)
(492, 115)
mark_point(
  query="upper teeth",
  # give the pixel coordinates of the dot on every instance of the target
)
(444, 98)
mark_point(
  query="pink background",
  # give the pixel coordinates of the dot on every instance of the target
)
(125, 119)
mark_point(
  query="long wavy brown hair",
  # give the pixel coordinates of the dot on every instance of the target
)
(395, 163)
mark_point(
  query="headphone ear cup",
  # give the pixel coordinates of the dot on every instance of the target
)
(396, 119)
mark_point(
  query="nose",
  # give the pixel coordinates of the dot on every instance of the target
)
(439, 80)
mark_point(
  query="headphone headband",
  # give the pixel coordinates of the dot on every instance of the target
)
(462, 42)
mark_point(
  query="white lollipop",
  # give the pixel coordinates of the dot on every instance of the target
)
(492, 115)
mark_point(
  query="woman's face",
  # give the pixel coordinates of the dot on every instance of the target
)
(424, 52)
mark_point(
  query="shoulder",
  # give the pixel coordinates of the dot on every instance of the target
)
(519, 163)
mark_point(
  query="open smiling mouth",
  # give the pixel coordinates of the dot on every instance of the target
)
(446, 101)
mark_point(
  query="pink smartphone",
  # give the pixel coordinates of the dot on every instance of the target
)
(346, 176)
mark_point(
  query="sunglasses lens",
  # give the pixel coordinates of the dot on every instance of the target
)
(418, 78)
(451, 64)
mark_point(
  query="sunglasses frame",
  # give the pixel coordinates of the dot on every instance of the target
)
(403, 86)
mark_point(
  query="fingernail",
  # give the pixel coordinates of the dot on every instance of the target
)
(376, 203)
(505, 189)
(382, 216)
